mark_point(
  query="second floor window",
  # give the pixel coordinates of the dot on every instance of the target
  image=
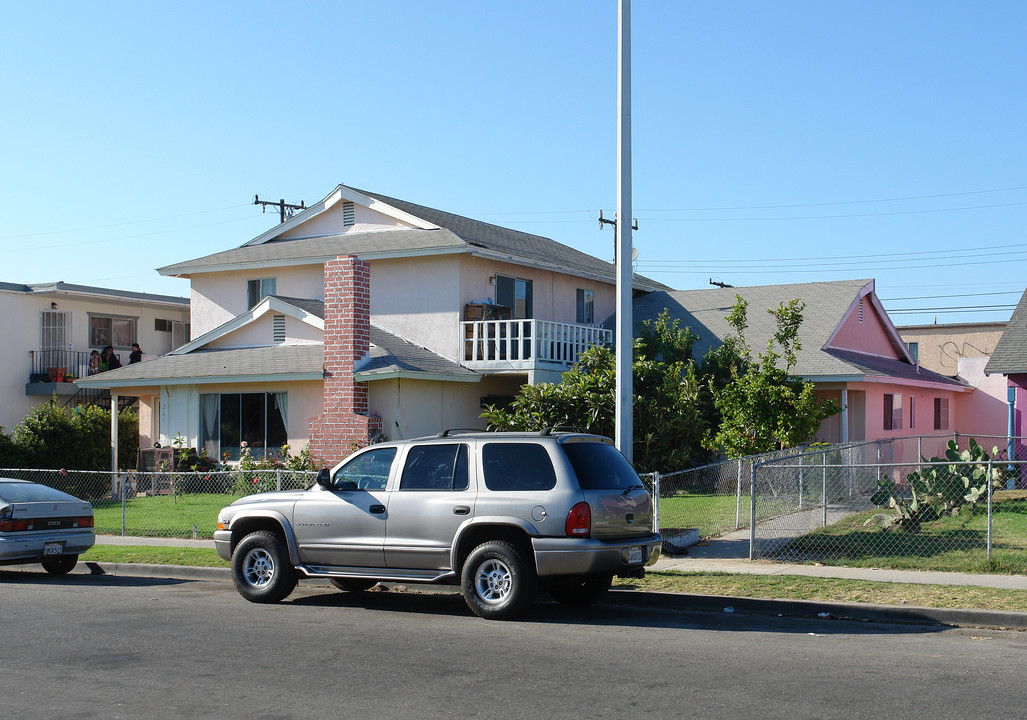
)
(107, 330)
(257, 290)
(55, 330)
(515, 294)
(586, 302)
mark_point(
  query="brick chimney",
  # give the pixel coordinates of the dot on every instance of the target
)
(345, 422)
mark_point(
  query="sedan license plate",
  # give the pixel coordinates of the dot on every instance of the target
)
(54, 548)
(634, 555)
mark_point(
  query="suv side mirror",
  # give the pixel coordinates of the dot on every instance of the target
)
(324, 478)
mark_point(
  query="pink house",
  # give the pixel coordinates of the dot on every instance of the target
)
(850, 349)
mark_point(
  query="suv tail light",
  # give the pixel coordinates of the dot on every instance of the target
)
(579, 520)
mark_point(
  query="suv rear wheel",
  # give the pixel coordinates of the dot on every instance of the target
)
(497, 582)
(581, 591)
(261, 569)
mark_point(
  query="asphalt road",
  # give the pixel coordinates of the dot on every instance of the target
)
(120, 647)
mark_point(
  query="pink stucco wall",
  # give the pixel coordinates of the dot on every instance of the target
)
(868, 336)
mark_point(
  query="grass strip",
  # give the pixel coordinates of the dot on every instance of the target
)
(154, 555)
(799, 587)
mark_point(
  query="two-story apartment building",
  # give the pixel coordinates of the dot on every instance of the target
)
(366, 316)
(52, 328)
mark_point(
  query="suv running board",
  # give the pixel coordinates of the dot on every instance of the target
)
(423, 576)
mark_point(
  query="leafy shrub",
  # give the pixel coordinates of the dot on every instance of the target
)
(51, 436)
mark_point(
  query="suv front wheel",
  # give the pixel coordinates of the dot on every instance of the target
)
(497, 582)
(261, 569)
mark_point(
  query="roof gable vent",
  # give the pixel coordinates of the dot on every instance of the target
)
(278, 334)
(349, 213)
(861, 309)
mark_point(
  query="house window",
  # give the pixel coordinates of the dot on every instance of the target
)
(107, 330)
(54, 330)
(914, 350)
(257, 290)
(515, 294)
(941, 413)
(586, 307)
(892, 411)
(912, 413)
(228, 420)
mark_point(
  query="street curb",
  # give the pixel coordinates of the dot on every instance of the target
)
(862, 612)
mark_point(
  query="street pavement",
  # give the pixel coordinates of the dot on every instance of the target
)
(727, 555)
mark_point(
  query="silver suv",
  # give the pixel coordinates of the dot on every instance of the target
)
(499, 513)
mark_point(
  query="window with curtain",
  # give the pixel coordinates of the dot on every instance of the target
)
(228, 420)
(257, 290)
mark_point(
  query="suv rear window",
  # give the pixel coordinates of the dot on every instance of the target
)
(600, 466)
(517, 466)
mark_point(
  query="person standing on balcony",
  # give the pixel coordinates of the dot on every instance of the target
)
(136, 355)
(108, 360)
(94, 363)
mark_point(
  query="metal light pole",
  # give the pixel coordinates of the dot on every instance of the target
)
(625, 330)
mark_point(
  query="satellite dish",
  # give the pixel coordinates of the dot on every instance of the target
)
(634, 254)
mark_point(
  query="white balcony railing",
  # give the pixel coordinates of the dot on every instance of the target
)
(528, 344)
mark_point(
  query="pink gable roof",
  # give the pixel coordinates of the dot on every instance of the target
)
(867, 329)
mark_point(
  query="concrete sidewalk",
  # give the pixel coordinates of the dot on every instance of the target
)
(726, 555)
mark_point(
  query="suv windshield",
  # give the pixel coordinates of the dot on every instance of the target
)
(600, 466)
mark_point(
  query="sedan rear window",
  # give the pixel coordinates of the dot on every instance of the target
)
(517, 466)
(600, 466)
(30, 492)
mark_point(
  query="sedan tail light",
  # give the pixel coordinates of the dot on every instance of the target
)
(579, 520)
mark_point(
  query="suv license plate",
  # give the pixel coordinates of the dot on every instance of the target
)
(634, 555)
(54, 548)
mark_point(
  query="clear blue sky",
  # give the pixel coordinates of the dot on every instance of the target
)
(773, 141)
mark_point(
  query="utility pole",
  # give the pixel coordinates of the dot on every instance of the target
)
(625, 276)
(281, 205)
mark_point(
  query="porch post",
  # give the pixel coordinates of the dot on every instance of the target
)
(1010, 442)
(114, 442)
(845, 415)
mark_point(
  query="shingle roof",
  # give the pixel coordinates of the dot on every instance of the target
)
(1010, 355)
(391, 354)
(705, 312)
(72, 289)
(216, 365)
(455, 233)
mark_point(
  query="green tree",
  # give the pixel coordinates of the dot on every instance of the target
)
(763, 407)
(671, 400)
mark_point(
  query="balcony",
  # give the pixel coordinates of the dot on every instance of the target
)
(527, 344)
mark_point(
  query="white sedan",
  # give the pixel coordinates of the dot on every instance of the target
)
(41, 525)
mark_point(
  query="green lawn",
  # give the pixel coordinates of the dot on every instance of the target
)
(711, 514)
(183, 516)
(951, 544)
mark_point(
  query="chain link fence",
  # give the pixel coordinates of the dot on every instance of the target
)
(162, 504)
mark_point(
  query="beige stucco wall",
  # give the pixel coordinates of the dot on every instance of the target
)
(260, 332)
(218, 297)
(330, 222)
(22, 335)
(415, 408)
(942, 346)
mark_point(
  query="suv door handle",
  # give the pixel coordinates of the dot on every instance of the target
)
(462, 510)
(377, 509)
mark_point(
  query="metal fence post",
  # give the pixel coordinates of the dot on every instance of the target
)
(990, 478)
(122, 508)
(738, 496)
(801, 466)
(753, 469)
(656, 502)
(278, 479)
(825, 491)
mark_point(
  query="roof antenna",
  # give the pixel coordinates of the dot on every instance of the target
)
(719, 284)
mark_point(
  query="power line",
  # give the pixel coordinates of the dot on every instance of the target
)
(121, 224)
